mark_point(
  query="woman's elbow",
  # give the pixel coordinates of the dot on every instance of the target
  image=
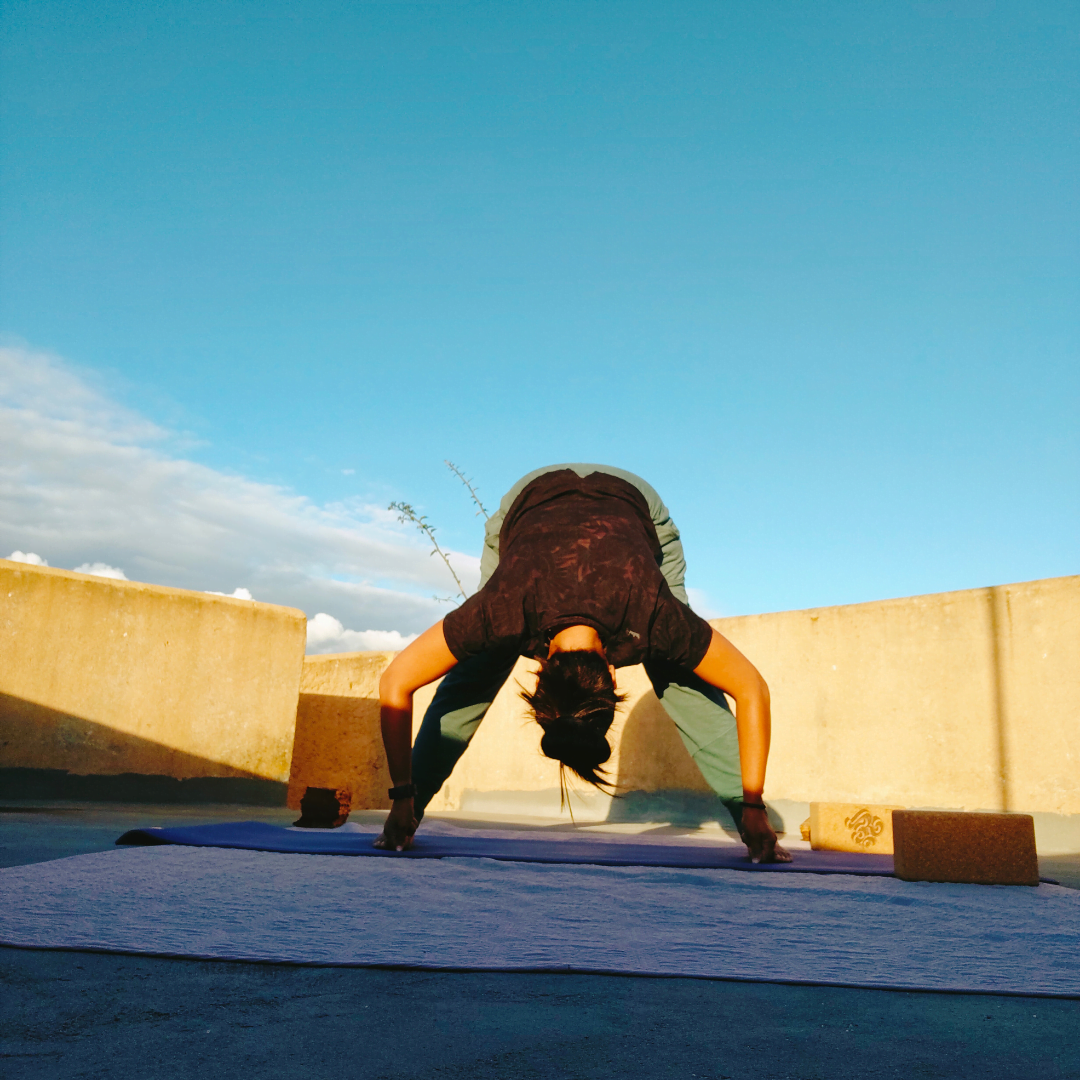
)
(759, 689)
(392, 691)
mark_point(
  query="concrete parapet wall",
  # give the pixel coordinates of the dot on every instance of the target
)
(963, 700)
(338, 742)
(966, 700)
(109, 677)
(648, 755)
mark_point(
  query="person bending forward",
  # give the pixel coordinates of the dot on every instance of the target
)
(582, 570)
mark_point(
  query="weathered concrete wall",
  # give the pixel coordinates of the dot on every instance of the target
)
(105, 677)
(960, 700)
(967, 700)
(504, 756)
(338, 742)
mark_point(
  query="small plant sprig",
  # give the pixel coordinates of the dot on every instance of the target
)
(469, 484)
(407, 513)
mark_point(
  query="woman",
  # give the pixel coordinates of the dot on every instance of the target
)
(582, 570)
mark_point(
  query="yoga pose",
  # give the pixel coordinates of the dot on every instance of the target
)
(582, 570)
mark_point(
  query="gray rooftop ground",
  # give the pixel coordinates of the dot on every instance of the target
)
(73, 1014)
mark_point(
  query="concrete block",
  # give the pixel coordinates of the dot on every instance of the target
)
(851, 827)
(979, 848)
(105, 677)
(338, 741)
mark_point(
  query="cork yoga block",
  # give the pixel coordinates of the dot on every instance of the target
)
(851, 827)
(969, 848)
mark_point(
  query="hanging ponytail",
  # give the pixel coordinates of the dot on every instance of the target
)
(574, 702)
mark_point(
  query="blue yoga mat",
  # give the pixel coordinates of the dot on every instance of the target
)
(258, 836)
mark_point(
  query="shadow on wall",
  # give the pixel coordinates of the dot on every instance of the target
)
(656, 779)
(48, 754)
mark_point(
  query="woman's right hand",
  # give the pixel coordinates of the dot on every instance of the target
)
(398, 830)
(760, 839)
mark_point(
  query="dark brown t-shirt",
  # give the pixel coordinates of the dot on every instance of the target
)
(579, 551)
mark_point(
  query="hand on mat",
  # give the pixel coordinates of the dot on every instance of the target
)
(397, 832)
(759, 838)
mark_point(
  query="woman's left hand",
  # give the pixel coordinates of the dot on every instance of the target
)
(759, 837)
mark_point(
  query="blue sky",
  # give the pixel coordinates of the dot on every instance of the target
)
(812, 270)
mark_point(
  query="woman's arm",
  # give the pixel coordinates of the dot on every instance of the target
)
(425, 660)
(727, 669)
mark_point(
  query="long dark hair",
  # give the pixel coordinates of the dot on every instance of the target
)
(574, 702)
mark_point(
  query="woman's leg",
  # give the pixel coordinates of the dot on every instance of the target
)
(707, 726)
(451, 720)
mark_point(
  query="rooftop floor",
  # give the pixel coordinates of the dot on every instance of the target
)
(98, 1015)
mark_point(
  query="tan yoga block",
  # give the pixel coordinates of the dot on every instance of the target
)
(851, 827)
(969, 848)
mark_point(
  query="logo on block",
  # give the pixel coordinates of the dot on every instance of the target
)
(865, 828)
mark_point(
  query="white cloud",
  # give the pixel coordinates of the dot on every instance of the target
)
(27, 557)
(348, 472)
(83, 477)
(100, 569)
(325, 634)
(236, 594)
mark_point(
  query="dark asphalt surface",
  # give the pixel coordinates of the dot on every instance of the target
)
(65, 1014)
